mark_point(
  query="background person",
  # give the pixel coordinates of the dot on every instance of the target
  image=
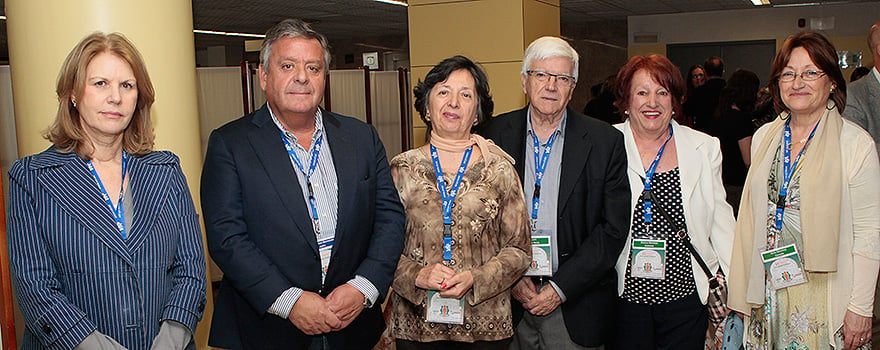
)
(859, 73)
(701, 104)
(813, 186)
(695, 78)
(104, 240)
(734, 128)
(489, 231)
(681, 169)
(862, 104)
(602, 107)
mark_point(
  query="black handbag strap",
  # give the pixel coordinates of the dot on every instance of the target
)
(681, 233)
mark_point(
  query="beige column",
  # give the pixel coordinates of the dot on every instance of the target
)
(41, 33)
(493, 33)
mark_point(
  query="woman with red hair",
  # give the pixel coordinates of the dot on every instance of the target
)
(677, 200)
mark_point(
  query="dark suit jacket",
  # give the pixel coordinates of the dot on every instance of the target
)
(701, 105)
(72, 271)
(593, 216)
(260, 232)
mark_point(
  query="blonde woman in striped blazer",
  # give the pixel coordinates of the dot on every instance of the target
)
(104, 240)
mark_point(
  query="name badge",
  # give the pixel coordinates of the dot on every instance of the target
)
(444, 310)
(648, 257)
(784, 267)
(325, 247)
(542, 264)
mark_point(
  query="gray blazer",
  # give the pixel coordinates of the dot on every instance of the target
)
(863, 105)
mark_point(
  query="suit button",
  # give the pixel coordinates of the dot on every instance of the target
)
(202, 306)
(47, 328)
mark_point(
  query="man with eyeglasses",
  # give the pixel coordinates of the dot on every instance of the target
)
(573, 169)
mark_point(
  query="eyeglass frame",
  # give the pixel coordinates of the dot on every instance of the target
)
(819, 75)
(536, 75)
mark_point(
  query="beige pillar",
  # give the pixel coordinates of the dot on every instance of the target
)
(41, 33)
(493, 33)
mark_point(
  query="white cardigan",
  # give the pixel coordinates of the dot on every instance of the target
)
(709, 218)
(859, 247)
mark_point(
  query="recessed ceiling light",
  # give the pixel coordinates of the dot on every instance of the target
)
(760, 2)
(394, 2)
(214, 32)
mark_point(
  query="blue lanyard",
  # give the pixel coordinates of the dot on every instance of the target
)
(117, 212)
(788, 169)
(649, 176)
(541, 160)
(313, 163)
(448, 197)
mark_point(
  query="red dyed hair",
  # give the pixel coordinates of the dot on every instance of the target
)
(660, 68)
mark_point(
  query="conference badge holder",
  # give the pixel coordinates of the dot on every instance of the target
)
(648, 258)
(325, 248)
(541, 264)
(444, 310)
(784, 266)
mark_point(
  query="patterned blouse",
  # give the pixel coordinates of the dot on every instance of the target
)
(679, 281)
(490, 238)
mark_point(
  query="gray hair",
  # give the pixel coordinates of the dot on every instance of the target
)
(292, 28)
(550, 46)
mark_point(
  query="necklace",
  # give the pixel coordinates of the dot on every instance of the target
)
(803, 140)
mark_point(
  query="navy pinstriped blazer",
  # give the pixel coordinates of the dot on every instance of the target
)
(72, 271)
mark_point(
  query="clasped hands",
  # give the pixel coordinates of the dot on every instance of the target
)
(538, 303)
(442, 278)
(313, 314)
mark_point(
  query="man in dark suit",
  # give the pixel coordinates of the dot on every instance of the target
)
(573, 169)
(301, 213)
(702, 104)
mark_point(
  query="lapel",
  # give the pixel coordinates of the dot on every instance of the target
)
(346, 164)
(265, 139)
(689, 161)
(633, 161)
(150, 183)
(513, 139)
(575, 152)
(68, 181)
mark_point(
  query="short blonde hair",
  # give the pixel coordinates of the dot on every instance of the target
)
(66, 131)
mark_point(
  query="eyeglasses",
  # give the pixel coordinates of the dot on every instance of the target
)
(810, 75)
(542, 76)
(697, 75)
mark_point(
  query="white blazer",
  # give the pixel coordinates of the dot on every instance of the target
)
(709, 218)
